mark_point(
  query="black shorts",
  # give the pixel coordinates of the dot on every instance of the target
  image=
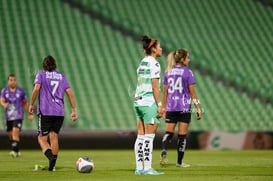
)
(14, 124)
(174, 117)
(47, 124)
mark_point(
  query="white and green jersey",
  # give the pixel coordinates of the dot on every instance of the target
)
(147, 70)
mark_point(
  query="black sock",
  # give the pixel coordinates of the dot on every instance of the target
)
(167, 138)
(52, 163)
(52, 159)
(181, 146)
(15, 145)
(55, 157)
(48, 154)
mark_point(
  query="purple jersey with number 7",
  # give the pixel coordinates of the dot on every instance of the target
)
(51, 95)
(178, 80)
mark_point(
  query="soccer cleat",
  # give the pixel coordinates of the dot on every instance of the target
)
(138, 172)
(183, 165)
(152, 172)
(163, 160)
(38, 167)
(14, 154)
(51, 166)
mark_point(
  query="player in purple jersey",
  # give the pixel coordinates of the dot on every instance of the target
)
(51, 86)
(178, 94)
(14, 100)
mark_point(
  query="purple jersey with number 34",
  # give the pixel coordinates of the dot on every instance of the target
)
(178, 80)
(51, 95)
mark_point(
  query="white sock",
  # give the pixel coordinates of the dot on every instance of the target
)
(139, 152)
(148, 150)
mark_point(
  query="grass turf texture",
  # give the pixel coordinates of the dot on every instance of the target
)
(120, 165)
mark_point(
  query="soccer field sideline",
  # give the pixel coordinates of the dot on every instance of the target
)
(120, 164)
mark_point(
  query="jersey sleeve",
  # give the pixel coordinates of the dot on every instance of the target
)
(191, 78)
(66, 85)
(155, 70)
(38, 78)
(2, 93)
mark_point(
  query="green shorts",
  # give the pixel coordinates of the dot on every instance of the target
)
(148, 114)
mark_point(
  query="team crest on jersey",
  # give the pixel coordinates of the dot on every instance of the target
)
(7, 95)
(17, 95)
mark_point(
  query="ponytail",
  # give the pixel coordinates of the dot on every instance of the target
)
(148, 43)
(170, 61)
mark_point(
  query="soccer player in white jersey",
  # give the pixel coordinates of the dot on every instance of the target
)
(178, 90)
(147, 106)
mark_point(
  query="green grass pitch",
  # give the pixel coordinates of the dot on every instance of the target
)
(119, 165)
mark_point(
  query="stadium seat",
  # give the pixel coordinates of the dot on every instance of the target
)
(230, 40)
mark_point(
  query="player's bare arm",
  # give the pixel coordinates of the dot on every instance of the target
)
(164, 100)
(72, 101)
(34, 95)
(156, 92)
(195, 101)
(3, 103)
(26, 107)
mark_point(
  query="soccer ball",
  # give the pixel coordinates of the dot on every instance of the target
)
(84, 165)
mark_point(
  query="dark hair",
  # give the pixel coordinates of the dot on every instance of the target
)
(49, 63)
(179, 55)
(148, 43)
(11, 75)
